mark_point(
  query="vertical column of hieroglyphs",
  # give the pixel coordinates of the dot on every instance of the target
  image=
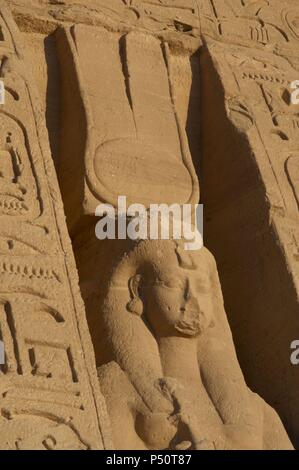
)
(250, 188)
(48, 395)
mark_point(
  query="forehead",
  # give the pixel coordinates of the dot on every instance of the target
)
(166, 263)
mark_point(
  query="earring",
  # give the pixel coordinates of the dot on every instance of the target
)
(135, 306)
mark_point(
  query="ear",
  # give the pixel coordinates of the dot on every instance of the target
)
(135, 305)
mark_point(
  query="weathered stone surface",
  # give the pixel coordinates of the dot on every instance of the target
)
(49, 394)
(111, 123)
(250, 187)
(147, 99)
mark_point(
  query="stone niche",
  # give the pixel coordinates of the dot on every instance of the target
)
(119, 344)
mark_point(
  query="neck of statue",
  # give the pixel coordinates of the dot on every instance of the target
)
(179, 357)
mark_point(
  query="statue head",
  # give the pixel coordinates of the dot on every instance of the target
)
(172, 288)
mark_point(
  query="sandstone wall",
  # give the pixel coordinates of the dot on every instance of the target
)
(151, 99)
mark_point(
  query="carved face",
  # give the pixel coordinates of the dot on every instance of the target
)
(177, 298)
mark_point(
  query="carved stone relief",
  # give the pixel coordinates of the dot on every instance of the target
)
(46, 382)
(164, 102)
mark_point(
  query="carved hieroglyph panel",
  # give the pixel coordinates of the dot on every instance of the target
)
(49, 396)
(174, 20)
(163, 16)
(253, 204)
(272, 24)
(258, 103)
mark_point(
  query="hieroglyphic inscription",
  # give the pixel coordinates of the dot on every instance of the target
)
(46, 382)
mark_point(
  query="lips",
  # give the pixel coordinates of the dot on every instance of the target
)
(192, 322)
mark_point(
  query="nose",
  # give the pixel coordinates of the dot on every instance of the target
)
(191, 301)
